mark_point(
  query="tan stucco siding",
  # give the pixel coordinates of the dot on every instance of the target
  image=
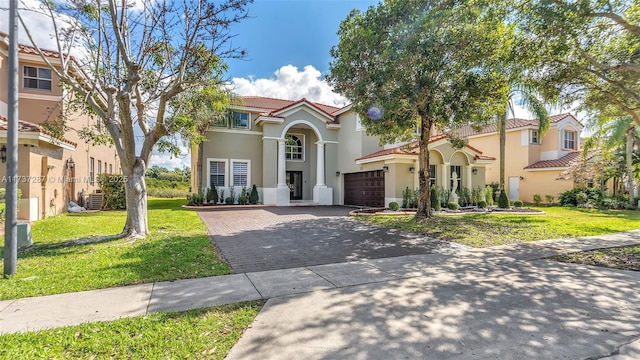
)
(517, 155)
(543, 183)
(234, 146)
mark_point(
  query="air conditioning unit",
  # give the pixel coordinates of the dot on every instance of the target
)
(95, 202)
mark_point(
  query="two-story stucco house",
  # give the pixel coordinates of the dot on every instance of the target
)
(51, 171)
(533, 162)
(300, 151)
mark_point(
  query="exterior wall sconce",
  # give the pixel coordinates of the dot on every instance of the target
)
(385, 168)
(521, 178)
(70, 163)
(3, 154)
(412, 169)
(474, 171)
(337, 173)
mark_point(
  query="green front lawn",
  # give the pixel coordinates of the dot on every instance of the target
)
(178, 248)
(483, 230)
(196, 334)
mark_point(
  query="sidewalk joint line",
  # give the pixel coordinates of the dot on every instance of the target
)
(254, 285)
(324, 278)
(153, 286)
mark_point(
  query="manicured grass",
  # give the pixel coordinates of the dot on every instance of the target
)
(178, 248)
(623, 258)
(198, 334)
(483, 230)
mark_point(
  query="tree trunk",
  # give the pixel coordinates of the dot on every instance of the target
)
(631, 132)
(136, 189)
(502, 132)
(195, 173)
(424, 202)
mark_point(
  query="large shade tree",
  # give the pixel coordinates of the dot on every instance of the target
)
(135, 58)
(411, 64)
(588, 52)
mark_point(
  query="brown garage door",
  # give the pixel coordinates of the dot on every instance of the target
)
(364, 188)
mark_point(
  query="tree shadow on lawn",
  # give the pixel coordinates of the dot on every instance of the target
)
(94, 266)
(463, 308)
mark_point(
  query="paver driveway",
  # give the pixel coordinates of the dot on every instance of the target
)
(271, 238)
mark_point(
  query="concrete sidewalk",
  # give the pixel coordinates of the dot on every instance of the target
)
(500, 302)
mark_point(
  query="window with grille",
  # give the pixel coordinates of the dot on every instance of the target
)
(36, 78)
(240, 173)
(294, 147)
(432, 175)
(569, 141)
(535, 137)
(216, 173)
(239, 120)
(91, 170)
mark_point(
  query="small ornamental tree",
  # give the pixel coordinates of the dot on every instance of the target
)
(253, 196)
(503, 200)
(409, 64)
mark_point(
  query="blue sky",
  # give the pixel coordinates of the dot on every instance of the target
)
(289, 32)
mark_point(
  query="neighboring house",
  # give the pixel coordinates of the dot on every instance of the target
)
(300, 151)
(533, 163)
(51, 171)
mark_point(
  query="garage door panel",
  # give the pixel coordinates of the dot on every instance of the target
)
(364, 188)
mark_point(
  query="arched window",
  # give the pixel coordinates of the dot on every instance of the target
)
(295, 147)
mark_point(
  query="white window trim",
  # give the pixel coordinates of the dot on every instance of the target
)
(226, 171)
(575, 139)
(304, 147)
(37, 78)
(539, 142)
(248, 171)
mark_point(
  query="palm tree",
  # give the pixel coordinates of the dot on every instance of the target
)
(532, 103)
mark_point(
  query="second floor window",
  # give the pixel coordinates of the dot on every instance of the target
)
(294, 148)
(535, 137)
(36, 78)
(239, 120)
(569, 140)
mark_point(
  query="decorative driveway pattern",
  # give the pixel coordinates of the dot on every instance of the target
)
(272, 238)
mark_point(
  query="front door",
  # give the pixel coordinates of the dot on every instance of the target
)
(514, 188)
(294, 182)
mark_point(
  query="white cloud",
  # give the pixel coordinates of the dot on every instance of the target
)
(291, 84)
(40, 25)
(169, 161)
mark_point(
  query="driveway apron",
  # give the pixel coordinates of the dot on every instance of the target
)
(271, 238)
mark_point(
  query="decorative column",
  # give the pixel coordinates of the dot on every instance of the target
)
(469, 177)
(322, 195)
(320, 165)
(445, 176)
(282, 163)
(282, 190)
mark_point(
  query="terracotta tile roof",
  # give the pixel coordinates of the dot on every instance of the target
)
(277, 104)
(562, 162)
(25, 126)
(410, 149)
(514, 123)
(26, 49)
(406, 149)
